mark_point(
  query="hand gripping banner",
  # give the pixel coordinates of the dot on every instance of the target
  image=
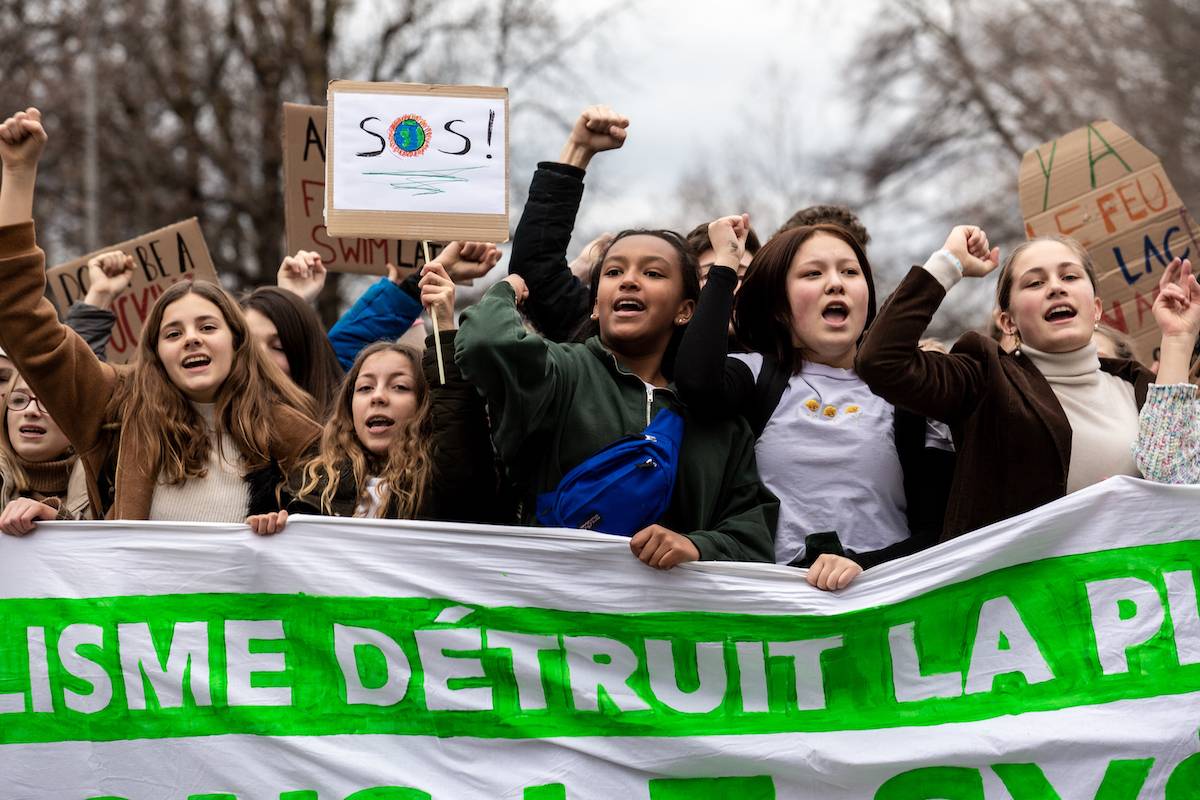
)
(1052, 656)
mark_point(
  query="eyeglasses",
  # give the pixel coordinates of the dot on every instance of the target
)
(19, 401)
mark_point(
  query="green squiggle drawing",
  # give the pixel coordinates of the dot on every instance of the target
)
(423, 181)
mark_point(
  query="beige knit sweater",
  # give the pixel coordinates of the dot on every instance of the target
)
(220, 496)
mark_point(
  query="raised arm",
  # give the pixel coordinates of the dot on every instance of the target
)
(1177, 312)
(94, 325)
(62, 370)
(383, 313)
(931, 384)
(558, 302)
(518, 372)
(712, 384)
(386, 310)
(109, 275)
(1168, 444)
(464, 484)
(22, 139)
(302, 274)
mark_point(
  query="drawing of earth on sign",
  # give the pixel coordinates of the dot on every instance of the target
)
(409, 136)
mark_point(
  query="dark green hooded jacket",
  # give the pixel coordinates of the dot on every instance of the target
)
(553, 405)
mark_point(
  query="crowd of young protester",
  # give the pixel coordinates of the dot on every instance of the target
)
(707, 396)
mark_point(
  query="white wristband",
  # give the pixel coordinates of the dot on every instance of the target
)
(944, 267)
(953, 259)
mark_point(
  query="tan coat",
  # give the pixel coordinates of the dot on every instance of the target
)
(75, 386)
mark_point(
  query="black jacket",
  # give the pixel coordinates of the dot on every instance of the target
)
(94, 324)
(463, 486)
(558, 304)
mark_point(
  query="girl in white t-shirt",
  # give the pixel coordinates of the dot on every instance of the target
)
(856, 481)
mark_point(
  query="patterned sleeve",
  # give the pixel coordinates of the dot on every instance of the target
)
(1168, 444)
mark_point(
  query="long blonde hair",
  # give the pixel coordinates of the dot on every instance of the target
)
(159, 416)
(405, 472)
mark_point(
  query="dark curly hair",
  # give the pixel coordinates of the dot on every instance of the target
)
(829, 214)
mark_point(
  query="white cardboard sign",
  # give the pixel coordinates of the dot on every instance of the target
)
(417, 161)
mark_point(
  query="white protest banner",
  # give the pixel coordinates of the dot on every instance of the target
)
(1055, 655)
(1101, 186)
(417, 161)
(162, 257)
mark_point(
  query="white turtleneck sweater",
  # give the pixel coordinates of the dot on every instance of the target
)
(220, 496)
(1101, 408)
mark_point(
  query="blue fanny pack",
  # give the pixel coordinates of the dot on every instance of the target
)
(624, 487)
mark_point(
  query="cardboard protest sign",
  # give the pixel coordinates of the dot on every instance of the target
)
(417, 161)
(1052, 655)
(162, 257)
(1097, 184)
(304, 204)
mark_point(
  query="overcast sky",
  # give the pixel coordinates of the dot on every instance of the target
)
(692, 77)
(686, 73)
(697, 80)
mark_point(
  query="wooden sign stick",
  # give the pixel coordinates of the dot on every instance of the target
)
(437, 336)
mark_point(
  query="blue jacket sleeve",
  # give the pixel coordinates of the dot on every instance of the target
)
(383, 313)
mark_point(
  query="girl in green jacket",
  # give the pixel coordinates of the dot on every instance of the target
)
(554, 405)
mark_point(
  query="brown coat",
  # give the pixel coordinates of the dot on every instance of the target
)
(75, 386)
(1011, 433)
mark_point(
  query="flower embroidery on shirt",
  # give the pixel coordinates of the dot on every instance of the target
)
(814, 405)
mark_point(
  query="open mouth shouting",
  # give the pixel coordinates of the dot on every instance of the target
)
(1060, 314)
(380, 423)
(197, 362)
(32, 432)
(628, 306)
(836, 313)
